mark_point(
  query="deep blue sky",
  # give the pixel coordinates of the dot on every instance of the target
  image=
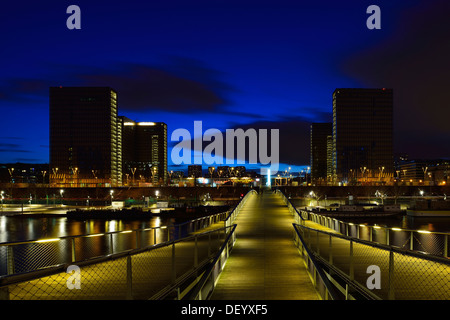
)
(230, 64)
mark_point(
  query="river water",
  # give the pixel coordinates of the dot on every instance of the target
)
(27, 227)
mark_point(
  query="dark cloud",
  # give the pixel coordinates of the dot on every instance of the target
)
(185, 86)
(294, 140)
(14, 150)
(11, 147)
(28, 160)
(143, 88)
(415, 62)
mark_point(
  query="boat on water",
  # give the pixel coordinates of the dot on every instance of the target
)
(428, 213)
(144, 213)
(358, 211)
(430, 208)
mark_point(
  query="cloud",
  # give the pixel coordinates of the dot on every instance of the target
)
(414, 62)
(294, 140)
(184, 86)
(12, 147)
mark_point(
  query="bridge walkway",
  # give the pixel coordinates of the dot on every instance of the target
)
(264, 263)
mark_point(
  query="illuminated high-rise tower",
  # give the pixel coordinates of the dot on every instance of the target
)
(144, 146)
(85, 137)
(362, 135)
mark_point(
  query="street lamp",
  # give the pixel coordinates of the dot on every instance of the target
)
(111, 194)
(133, 170)
(61, 193)
(11, 171)
(424, 169)
(43, 176)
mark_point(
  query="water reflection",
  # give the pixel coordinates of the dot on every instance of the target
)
(32, 228)
(436, 224)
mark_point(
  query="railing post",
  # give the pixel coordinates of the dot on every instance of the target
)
(391, 294)
(174, 270)
(10, 259)
(196, 252)
(411, 242)
(129, 279)
(331, 251)
(111, 244)
(446, 246)
(73, 249)
(352, 268)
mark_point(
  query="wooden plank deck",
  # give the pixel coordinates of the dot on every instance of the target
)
(264, 263)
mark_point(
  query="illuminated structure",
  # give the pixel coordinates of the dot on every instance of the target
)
(85, 137)
(362, 135)
(321, 144)
(144, 147)
(195, 171)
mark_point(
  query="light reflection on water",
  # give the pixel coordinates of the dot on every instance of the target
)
(31, 228)
(436, 224)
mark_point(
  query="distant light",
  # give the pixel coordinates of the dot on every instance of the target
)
(47, 240)
(146, 123)
(128, 123)
(396, 229)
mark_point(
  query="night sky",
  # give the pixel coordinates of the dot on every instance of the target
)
(231, 64)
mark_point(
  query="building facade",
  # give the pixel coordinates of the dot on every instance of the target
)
(85, 137)
(321, 137)
(362, 136)
(144, 146)
(195, 171)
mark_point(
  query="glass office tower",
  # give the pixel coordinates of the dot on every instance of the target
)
(85, 137)
(362, 135)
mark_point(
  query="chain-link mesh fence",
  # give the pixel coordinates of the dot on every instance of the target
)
(19, 257)
(386, 272)
(436, 243)
(134, 274)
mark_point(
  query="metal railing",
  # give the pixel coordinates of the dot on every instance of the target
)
(158, 271)
(25, 256)
(229, 220)
(361, 269)
(431, 242)
(206, 284)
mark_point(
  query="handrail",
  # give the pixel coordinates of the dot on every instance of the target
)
(323, 277)
(160, 234)
(327, 221)
(416, 254)
(195, 293)
(290, 205)
(109, 232)
(232, 215)
(55, 269)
